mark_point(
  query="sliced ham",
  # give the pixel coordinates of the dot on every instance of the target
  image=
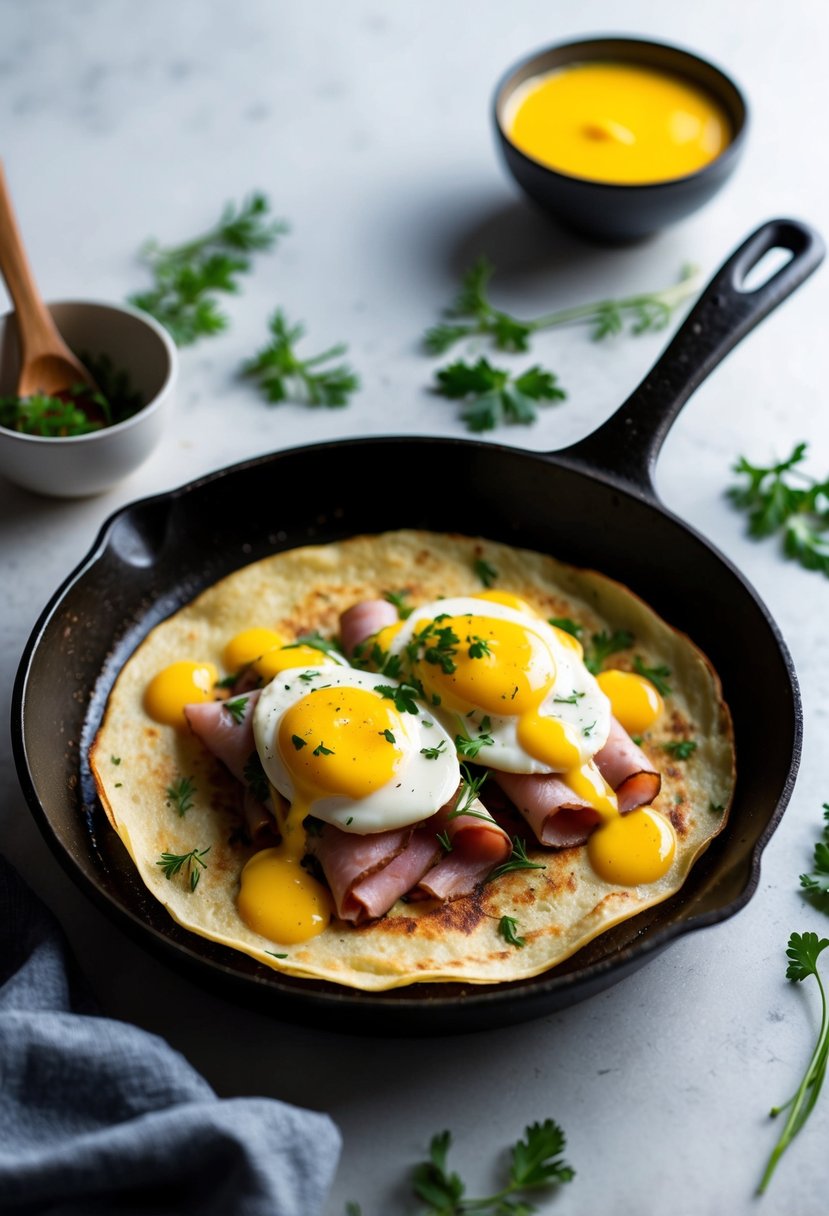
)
(478, 845)
(232, 742)
(626, 768)
(364, 619)
(368, 874)
(559, 818)
(226, 738)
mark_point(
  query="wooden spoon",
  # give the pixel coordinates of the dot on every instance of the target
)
(47, 365)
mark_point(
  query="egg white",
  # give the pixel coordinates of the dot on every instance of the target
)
(589, 716)
(419, 787)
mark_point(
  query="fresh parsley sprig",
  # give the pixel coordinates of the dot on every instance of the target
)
(536, 1163)
(472, 314)
(283, 376)
(680, 749)
(603, 645)
(803, 952)
(493, 395)
(192, 863)
(781, 498)
(658, 676)
(816, 883)
(189, 277)
(508, 928)
(517, 860)
(467, 794)
(181, 793)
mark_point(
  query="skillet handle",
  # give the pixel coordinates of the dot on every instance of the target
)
(627, 444)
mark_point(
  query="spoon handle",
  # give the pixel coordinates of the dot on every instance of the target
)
(35, 325)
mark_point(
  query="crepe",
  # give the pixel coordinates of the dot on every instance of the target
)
(559, 908)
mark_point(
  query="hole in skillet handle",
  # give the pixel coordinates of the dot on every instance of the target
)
(625, 448)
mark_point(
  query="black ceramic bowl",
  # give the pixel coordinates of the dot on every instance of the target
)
(622, 212)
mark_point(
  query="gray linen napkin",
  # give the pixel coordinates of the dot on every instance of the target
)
(99, 1118)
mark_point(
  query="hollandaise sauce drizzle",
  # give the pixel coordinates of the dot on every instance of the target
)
(339, 741)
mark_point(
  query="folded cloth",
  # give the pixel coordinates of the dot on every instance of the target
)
(99, 1118)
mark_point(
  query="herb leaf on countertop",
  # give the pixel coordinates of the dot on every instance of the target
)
(189, 277)
(472, 314)
(283, 376)
(493, 395)
(803, 952)
(781, 498)
(536, 1163)
(816, 884)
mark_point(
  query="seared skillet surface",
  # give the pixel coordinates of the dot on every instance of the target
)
(592, 505)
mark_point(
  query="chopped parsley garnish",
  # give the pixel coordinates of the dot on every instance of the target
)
(255, 778)
(398, 598)
(680, 749)
(181, 794)
(479, 647)
(467, 794)
(388, 736)
(658, 676)
(236, 709)
(507, 926)
(403, 696)
(435, 644)
(308, 676)
(298, 742)
(115, 759)
(171, 863)
(603, 645)
(273, 954)
(322, 750)
(444, 841)
(485, 571)
(588, 730)
(317, 642)
(432, 753)
(573, 699)
(518, 860)
(470, 747)
(717, 808)
(568, 625)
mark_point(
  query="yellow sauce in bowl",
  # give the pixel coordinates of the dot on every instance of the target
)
(617, 123)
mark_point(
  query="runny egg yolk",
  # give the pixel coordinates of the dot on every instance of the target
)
(286, 657)
(248, 646)
(281, 900)
(635, 702)
(182, 683)
(496, 665)
(340, 740)
(507, 599)
(632, 849)
(385, 636)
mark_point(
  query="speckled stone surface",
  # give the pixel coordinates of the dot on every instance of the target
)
(368, 126)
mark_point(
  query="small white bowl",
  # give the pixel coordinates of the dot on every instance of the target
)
(78, 465)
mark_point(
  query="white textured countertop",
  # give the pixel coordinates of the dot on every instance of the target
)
(368, 126)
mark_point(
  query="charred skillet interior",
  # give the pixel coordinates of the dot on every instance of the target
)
(583, 505)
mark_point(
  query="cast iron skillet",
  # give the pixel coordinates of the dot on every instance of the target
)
(592, 504)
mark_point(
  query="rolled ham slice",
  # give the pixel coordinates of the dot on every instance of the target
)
(364, 619)
(626, 768)
(231, 741)
(557, 816)
(368, 874)
(479, 844)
